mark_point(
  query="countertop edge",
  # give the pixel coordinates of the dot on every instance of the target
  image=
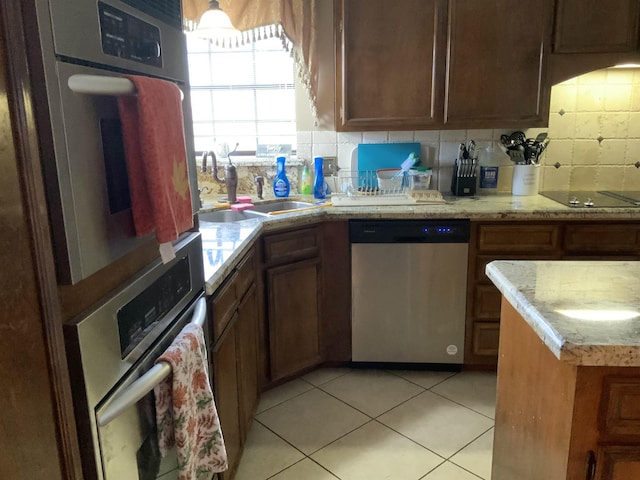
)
(592, 355)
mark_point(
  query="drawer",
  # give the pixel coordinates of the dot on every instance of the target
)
(246, 274)
(224, 304)
(518, 238)
(614, 239)
(486, 302)
(485, 338)
(291, 246)
(620, 408)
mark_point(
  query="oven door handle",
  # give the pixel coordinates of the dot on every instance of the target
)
(147, 382)
(103, 85)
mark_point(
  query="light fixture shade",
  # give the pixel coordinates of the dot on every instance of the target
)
(214, 23)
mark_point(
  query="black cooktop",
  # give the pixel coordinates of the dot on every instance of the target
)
(594, 199)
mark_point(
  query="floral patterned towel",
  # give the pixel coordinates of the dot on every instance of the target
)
(185, 410)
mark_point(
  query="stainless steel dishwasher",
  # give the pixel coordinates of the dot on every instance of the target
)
(409, 288)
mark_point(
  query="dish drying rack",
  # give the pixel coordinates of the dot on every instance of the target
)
(361, 188)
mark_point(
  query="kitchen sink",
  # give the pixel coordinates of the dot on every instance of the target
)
(225, 216)
(279, 206)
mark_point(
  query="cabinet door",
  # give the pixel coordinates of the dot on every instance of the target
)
(225, 390)
(496, 63)
(294, 317)
(248, 357)
(618, 463)
(389, 64)
(594, 26)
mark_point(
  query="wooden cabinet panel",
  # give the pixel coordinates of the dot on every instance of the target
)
(223, 306)
(620, 410)
(247, 356)
(496, 63)
(518, 238)
(291, 246)
(336, 292)
(389, 64)
(294, 317)
(486, 302)
(486, 337)
(225, 389)
(594, 26)
(616, 239)
(618, 463)
(246, 273)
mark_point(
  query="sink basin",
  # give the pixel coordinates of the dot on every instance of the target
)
(224, 216)
(279, 206)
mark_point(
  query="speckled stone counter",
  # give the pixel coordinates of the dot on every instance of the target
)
(225, 243)
(586, 312)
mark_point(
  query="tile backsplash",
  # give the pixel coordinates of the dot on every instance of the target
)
(594, 127)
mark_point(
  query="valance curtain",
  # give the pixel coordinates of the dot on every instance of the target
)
(295, 17)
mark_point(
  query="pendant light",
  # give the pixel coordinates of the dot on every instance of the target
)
(215, 24)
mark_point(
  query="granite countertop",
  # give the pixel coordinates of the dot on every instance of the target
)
(225, 243)
(586, 312)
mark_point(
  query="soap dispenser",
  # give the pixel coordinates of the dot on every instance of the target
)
(281, 186)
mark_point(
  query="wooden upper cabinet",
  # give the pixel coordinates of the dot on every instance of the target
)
(389, 64)
(496, 63)
(596, 26)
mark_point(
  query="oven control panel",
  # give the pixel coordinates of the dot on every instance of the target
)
(128, 37)
(138, 317)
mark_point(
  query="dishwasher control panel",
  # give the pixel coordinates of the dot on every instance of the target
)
(409, 231)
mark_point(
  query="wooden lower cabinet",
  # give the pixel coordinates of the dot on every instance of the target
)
(234, 356)
(293, 317)
(499, 241)
(617, 462)
(225, 391)
(553, 240)
(555, 420)
(247, 353)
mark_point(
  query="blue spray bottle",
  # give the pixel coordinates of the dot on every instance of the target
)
(319, 190)
(281, 186)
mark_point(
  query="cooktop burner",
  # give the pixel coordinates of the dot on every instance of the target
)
(594, 199)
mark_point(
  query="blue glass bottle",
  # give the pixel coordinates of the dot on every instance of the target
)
(319, 191)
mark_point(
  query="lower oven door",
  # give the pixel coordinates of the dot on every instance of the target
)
(126, 418)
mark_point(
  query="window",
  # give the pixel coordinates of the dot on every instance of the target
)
(242, 95)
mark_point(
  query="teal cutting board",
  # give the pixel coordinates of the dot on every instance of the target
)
(374, 156)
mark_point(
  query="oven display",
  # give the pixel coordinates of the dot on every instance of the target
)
(138, 317)
(126, 36)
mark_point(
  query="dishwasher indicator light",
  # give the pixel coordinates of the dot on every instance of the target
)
(444, 229)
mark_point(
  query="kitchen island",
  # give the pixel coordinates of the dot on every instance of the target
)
(568, 400)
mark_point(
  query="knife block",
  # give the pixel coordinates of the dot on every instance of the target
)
(463, 186)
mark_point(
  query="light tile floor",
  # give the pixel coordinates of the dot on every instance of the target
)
(360, 424)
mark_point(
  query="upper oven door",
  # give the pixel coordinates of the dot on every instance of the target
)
(92, 221)
(83, 155)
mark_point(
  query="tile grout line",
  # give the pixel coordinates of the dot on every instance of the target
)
(375, 419)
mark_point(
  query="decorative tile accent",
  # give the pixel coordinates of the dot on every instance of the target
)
(557, 164)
